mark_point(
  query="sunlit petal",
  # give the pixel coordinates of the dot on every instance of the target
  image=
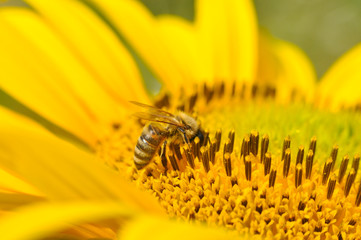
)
(43, 220)
(285, 65)
(228, 38)
(10, 201)
(59, 169)
(10, 183)
(162, 229)
(179, 39)
(51, 81)
(96, 46)
(339, 87)
(130, 15)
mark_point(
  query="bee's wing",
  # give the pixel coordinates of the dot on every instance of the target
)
(158, 118)
(152, 109)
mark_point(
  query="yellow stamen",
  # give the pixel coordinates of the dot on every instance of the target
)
(257, 186)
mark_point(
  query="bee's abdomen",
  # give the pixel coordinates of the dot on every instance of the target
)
(148, 144)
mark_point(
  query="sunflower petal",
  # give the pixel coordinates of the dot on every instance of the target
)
(42, 220)
(228, 37)
(178, 37)
(88, 231)
(284, 65)
(163, 228)
(12, 184)
(52, 81)
(10, 201)
(339, 86)
(138, 26)
(59, 169)
(96, 46)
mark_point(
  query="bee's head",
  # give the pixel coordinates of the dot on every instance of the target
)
(191, 127)
(200, 135)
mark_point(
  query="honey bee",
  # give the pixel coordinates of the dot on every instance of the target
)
(164, 127)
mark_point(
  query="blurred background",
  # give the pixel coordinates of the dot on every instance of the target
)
(324, 29)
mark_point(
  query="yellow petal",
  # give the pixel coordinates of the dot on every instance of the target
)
(285, 66)
(10, 201)
(59, 169)
(42, 220)
(88, 231)
(96, 46)
(178, 37)
(339, 87)
(165, 229)
(10, 183)
(52, 81)
(138, 26)
(228, 38)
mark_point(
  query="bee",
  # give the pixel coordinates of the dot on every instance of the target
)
(164, 127)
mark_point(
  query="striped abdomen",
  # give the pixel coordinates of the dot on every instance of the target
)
(148, 144)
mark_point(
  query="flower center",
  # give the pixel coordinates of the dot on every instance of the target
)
(260, 181)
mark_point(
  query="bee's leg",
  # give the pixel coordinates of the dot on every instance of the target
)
(163, 149)
(163, 155)
(185, 139)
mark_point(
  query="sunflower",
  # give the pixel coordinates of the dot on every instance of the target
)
(73, 67)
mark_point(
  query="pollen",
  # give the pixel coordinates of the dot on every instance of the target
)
(278, 181)
(237, 189)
